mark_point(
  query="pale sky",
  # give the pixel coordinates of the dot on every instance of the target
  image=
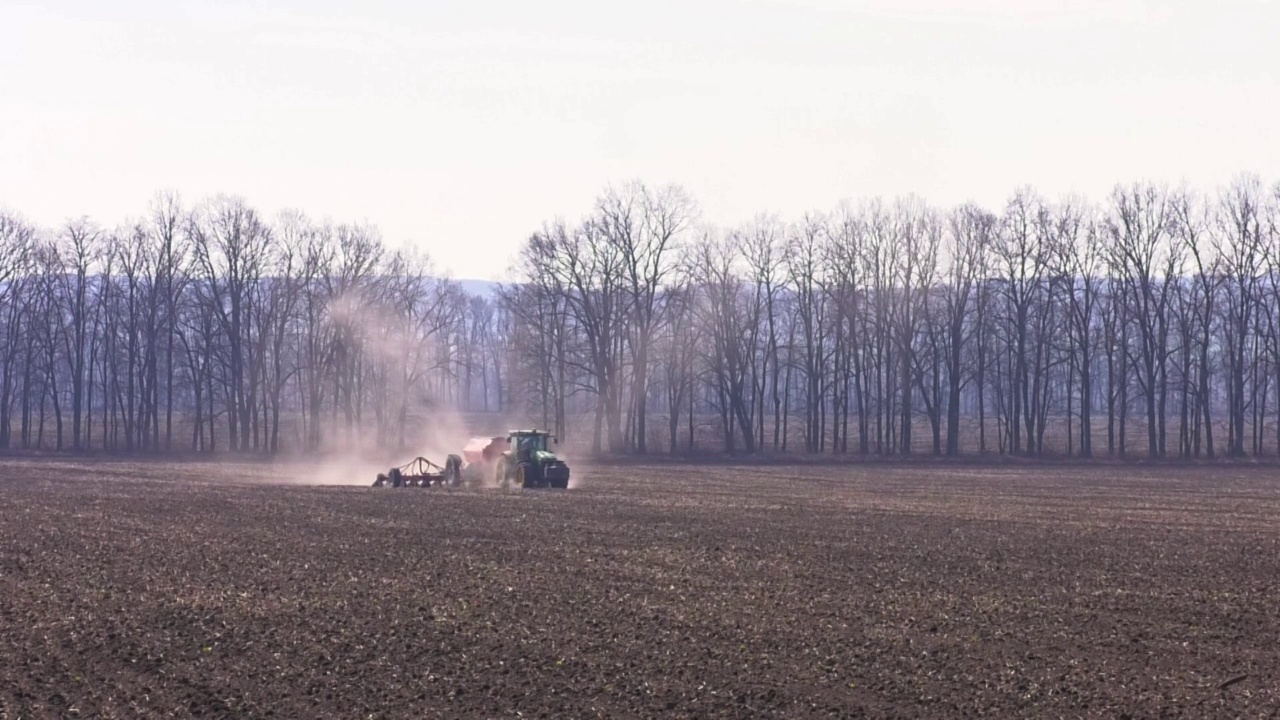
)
(459, 127)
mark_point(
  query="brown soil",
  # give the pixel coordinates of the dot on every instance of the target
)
(158, 590)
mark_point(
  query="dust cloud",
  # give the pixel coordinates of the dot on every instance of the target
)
(431, 428)
(355, 455)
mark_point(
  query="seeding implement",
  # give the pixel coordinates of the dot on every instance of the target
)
(421, 472)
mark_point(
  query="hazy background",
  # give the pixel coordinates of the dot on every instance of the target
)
(461, 126)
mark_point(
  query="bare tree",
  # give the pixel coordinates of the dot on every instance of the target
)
(17, 242)
(1145, 262)
(230, 244)
(1079, 259)
(1240, 244)
(972, 232)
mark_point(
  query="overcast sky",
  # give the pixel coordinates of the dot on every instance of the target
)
(460, 126)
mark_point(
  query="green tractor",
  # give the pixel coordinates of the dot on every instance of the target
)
(529, 463)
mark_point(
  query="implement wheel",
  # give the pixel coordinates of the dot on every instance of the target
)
(453, 471)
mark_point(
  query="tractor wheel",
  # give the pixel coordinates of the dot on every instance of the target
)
(561, 483)
(500, 474)
(453, 471)
(397, 480)
(526, 477)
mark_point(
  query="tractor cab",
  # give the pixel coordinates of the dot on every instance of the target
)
(526, 443)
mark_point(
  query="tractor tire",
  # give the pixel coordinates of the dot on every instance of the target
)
(561, 483)
(526, 476)
(453, 471)
(501, 476)
(396, 478)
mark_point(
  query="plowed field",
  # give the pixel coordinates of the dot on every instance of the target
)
(174, 590)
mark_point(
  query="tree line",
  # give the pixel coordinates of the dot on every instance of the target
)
(1146, 323)
(207, 328)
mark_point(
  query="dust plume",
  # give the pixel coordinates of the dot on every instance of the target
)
(408, 419)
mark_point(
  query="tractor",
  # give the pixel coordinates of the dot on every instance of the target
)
(522, 458)
(529, 463)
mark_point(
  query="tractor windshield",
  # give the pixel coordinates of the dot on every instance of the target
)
(529, 444)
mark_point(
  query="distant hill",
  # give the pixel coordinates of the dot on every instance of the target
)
(483, 288)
